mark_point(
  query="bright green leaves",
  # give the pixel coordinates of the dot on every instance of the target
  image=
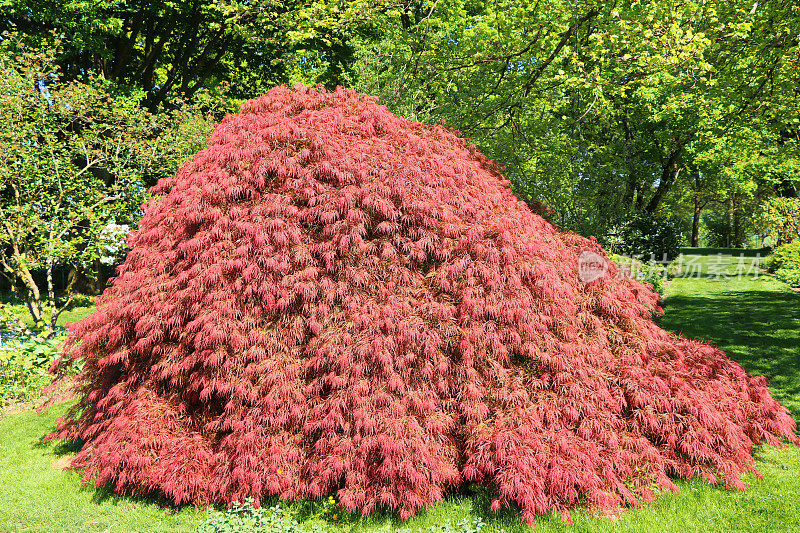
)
(75, 159)
(624, 91)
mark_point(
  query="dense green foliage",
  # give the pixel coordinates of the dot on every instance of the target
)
(779, 219)
(597, 109)
(789, 274)
(783, 256)
(25, 361)
(175, 49)
(645, 235)
(75, 161)
(24, 368)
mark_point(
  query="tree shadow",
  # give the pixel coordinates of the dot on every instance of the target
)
(105, 493)
(60, 448)
(760, 329)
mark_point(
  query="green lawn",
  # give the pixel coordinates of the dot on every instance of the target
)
(756, 321)
(81, 307)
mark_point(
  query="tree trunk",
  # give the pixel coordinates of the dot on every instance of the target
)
(698, 208)
(731, 237)
(51, 294)
(669, 176)
(738, 230)
(33, 298)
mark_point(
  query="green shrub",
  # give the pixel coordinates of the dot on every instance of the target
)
(244, 518)
(778, 219)
(783, 255)
(790, 274)
(646, 236)
(24, 368)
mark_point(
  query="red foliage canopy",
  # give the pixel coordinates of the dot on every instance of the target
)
(333, 299)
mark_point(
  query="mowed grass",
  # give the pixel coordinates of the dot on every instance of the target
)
(81, 307)
(37, 495)
(757, 321)
(754, 318)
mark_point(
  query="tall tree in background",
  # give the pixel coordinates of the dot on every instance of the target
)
(175, 48)
(92, 123)
(596, 108)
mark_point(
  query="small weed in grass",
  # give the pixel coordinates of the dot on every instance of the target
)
(244, 518)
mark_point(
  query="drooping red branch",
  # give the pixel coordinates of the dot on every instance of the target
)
(331, 299)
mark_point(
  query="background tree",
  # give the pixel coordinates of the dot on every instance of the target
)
(779, 219)
(74, 158)
(170, 49)
(597, 109)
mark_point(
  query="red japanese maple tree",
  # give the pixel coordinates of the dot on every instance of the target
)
(330, 299)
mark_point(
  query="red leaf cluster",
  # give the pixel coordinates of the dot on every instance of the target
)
(333, 299)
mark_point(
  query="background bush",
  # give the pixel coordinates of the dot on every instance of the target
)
(24, 368)
(645, 235)
(789, 273)
(783, 255)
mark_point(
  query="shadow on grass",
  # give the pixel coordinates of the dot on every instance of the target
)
(104, 493)
(760, 329)
(746, 252)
